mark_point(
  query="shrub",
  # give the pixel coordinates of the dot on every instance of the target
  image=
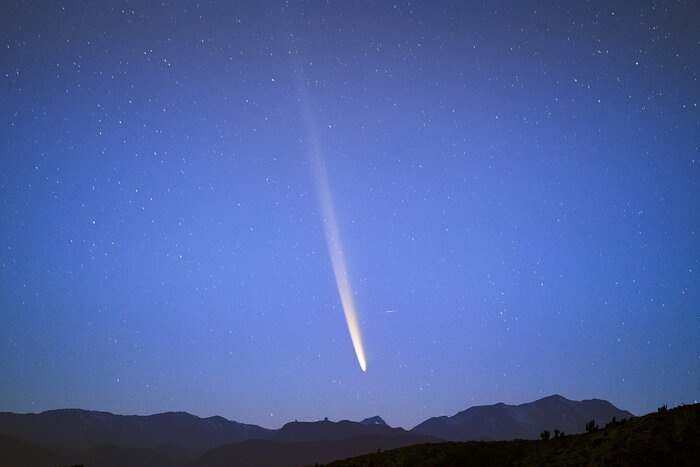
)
(591, 426)
(545, 435)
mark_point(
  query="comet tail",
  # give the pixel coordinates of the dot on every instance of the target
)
(335, 250)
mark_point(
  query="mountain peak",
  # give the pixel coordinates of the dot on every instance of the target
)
(376, 420)
(555, 397)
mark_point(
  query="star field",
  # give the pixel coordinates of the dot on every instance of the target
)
(516, 185)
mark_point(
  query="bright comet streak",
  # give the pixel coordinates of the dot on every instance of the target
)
(335, 249)
(330, 227)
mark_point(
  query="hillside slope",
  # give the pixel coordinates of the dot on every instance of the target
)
(667, 438)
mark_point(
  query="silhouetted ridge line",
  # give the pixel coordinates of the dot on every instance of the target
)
(172, 439)
(525, 421)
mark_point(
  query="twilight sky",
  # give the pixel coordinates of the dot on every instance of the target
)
(515, 185)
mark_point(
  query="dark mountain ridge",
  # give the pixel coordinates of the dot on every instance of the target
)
(295, 432)
(376, 420)
(172, 439)
(525, 421)
(68, 430)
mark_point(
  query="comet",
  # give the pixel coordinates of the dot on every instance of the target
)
(332, 233)
(335, 250)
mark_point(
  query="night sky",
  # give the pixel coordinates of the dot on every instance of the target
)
(515, 185)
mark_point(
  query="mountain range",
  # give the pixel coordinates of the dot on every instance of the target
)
(178, 439)
(501, 422)
(179, 433)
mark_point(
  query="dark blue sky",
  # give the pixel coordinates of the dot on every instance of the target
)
(516, 186)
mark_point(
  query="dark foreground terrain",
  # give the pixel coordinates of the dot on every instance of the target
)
(668, 437)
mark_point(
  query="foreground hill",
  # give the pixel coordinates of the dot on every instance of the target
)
(526, 421)
(666, 438)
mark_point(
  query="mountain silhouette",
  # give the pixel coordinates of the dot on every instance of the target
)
(326, 430)
(526, 421)
(70, 430)
(176, 439)
(376, 420)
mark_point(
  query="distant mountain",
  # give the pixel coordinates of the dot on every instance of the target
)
(180, 434)
(376, 420)
(525, 421)
(325, 430)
